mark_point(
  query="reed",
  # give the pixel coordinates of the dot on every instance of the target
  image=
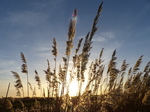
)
(108, 88)
(24, 68)
(18, 84)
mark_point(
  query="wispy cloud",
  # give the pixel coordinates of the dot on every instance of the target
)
(108, 41)
(108, 34)
(104, 36)
(98, 38)
(5, 63)
(42, 47)
(5, 67)
(29, 18)
(4, 71)
(45, 55)
(45, 4)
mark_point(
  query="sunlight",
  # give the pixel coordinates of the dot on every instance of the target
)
(73, 88)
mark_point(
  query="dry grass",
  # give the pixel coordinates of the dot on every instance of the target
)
(112, 93)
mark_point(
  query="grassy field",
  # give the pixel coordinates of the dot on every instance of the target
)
(106, 91)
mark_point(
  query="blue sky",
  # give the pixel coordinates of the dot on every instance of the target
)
(29, 26)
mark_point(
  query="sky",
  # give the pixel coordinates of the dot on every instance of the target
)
(29, 26)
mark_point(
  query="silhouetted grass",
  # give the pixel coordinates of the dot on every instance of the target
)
(104, 92)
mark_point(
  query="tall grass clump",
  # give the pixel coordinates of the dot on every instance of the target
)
(18, 84)
(24, 68)
(108, 88)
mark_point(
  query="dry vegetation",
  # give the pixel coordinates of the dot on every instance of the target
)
(105, 91)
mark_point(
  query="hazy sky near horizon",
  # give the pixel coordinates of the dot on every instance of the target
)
(29, 26)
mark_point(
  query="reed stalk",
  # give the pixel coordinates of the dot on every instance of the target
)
(24, 68)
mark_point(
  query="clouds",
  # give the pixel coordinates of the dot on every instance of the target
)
(106, 39)
(26, 18)
(100, 39)
(30, 26)
(30, 12)
(5, 63)
(43, 47)
(47, 4)
(104, 36)
(5, 67)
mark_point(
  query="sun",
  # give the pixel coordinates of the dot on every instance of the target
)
(73, 88)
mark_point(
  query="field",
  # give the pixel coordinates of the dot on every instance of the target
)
(108, 89)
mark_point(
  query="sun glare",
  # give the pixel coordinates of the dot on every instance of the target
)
(73, 88)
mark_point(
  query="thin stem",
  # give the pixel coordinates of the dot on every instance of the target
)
(27, 85)
(7, 90)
